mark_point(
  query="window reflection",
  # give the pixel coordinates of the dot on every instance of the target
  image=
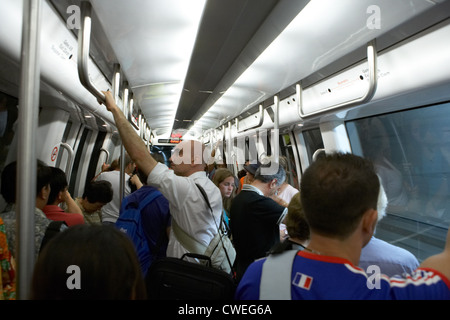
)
(411, 154)
(313, 141)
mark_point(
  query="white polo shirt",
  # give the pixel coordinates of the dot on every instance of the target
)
(111, 210)
(187, 205)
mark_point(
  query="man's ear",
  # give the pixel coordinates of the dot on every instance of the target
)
(273, 183)
(45, 192)
(369, 222)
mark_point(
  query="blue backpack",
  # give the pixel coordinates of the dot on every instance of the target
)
(129, 222)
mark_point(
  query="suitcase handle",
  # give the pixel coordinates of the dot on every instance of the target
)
(197, 256)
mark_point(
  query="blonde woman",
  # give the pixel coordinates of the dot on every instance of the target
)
(226, 182)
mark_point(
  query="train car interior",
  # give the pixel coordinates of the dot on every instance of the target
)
(254, 78)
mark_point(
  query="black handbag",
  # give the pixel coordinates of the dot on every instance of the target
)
(177, 279)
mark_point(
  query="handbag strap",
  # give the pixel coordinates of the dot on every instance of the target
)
(189, 243)
(205, 196)
(203, 192)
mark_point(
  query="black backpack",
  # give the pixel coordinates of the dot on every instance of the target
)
(52, 230)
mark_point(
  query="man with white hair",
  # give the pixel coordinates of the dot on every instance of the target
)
(392, 260)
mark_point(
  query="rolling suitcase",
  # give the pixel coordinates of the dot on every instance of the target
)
(178, 279)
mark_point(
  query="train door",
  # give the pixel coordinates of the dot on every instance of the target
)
(288, 149)
(8, 128)
(309, 143)
(89, 147)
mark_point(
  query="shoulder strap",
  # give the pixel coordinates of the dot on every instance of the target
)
(203, 192)
(273, 287)
(188, 242)
(141, 204)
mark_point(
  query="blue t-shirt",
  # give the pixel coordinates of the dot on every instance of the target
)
(330, 278)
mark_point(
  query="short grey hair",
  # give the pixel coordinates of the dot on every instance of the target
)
(382, 202)
(270, 170)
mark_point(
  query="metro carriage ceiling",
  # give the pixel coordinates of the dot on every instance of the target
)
(194, 63)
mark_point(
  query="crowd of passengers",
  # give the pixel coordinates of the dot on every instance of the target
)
(330, 222)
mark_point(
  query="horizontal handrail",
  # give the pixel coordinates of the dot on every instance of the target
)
(372, 59)
(84, 38)
(259, 124)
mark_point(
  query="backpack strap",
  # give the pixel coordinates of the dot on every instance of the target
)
(276, 276)
(141, 204)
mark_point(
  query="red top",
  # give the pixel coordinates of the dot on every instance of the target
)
(55, 213)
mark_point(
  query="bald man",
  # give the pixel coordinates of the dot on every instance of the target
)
(188, 208)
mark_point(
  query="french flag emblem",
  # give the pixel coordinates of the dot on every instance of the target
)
(302, 281)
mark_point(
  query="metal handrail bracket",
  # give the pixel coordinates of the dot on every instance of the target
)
(70, 159)
(276, 128)
(259, 124)
(372, 59)
(84, 38)
(107, 154)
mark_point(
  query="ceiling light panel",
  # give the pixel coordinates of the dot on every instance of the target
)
(153, 41)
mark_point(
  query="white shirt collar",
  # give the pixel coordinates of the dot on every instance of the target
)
(249, 187)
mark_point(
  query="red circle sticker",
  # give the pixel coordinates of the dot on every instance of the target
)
(54, 153)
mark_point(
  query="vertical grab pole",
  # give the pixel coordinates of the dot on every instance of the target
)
(122, 148)
(26, 156)
(276, 129)
(229, 145)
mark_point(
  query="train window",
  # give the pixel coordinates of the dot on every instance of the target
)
(411, 153)
(114, 147)
(313, 142)
(95, 155)
(287, 151)
(165, 151)
(251, 149)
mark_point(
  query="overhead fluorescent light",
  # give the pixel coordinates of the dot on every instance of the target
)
(154, 45)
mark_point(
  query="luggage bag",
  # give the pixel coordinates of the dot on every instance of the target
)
(178, 279)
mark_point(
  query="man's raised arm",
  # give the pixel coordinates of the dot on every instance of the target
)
(134, 145)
